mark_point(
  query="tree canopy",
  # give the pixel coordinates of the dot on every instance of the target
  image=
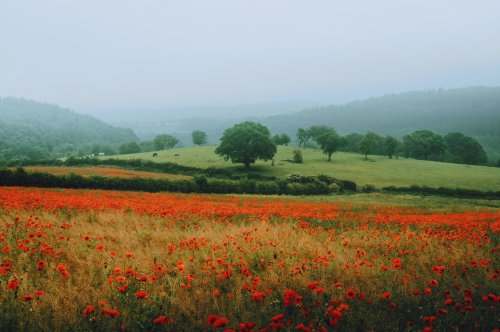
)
(424, 144)
(281, 139)
(328, 140)
(165, 141)
(245, 143)
(199, 137)
(465, 148)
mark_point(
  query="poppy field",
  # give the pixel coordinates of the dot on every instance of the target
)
(84, 260)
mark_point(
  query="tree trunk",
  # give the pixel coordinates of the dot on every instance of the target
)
(329, 157)
(366, 156)
(247, 165)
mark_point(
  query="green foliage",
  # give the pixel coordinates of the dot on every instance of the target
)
(245, 143)
(443, 191)
(281, 139)
(32, 130)
(299, 178)
(369, 143)
(351, 142)
(130, 147)
(165, 141)
(465, 148)
(329, 141)
(391, 144)
(472, 111)
(297, 156)
(368, 188)
(424, 144)
(199, 137)
(303, 136)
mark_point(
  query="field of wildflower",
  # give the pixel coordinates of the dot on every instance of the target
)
(82, 260)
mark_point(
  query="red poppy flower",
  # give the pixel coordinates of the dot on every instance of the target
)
(278, 317)
(121, 279)
(123, 289)
(160, 320)
(40, 265)
(313, 285)
(386, 295)
(141, 294)
(211, 319)
(350, 294)
(13, 284)
(88, 310)
(220, 322)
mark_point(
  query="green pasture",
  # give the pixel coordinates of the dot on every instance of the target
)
(377, 170)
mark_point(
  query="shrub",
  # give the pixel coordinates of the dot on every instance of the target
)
(299, 178)
(349, 185)
(297, 156)
(268, 188)
(368, 188)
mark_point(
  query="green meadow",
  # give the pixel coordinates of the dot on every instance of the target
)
(377, 170)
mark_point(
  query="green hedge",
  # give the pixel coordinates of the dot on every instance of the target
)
(199, 184)
(442, 191)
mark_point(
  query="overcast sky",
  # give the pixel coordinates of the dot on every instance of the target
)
(92, 55)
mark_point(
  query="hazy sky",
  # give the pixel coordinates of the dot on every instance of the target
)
(93, 55)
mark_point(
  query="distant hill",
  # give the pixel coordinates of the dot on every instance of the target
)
(30, 129)
(473, 111)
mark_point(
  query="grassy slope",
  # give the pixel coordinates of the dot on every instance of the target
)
(103, 171)
(378, 170)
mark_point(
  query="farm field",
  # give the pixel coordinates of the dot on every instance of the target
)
(378, 170)
(104, 260)
(103, 171)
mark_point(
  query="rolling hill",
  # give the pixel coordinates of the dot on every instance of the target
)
(472, 111)
(30, 129)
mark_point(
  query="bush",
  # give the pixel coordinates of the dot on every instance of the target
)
(368, 188)
(268, 188)
(299, 178)
(349, 185)
(297, 156)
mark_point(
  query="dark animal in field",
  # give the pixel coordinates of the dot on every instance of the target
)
(177, 155)
(155, 154)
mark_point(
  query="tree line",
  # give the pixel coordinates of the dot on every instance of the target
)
(421, 144)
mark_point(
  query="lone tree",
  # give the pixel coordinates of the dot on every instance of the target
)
(245, 143)
(281, 139)
(390, 144)
(199, 137)
(368, 143)
(164, 141)
(329, 141)
(303, 136)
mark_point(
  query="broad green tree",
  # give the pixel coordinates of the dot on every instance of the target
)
(466, 148)
(165, 141)
(303, 136)
(245, 143)
(424, 144)
(390, 144)
(281, 139)
(330, 142)
(368, 143)
(199, 137)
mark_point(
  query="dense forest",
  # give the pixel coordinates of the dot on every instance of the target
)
(472, 111)
(31, 130)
